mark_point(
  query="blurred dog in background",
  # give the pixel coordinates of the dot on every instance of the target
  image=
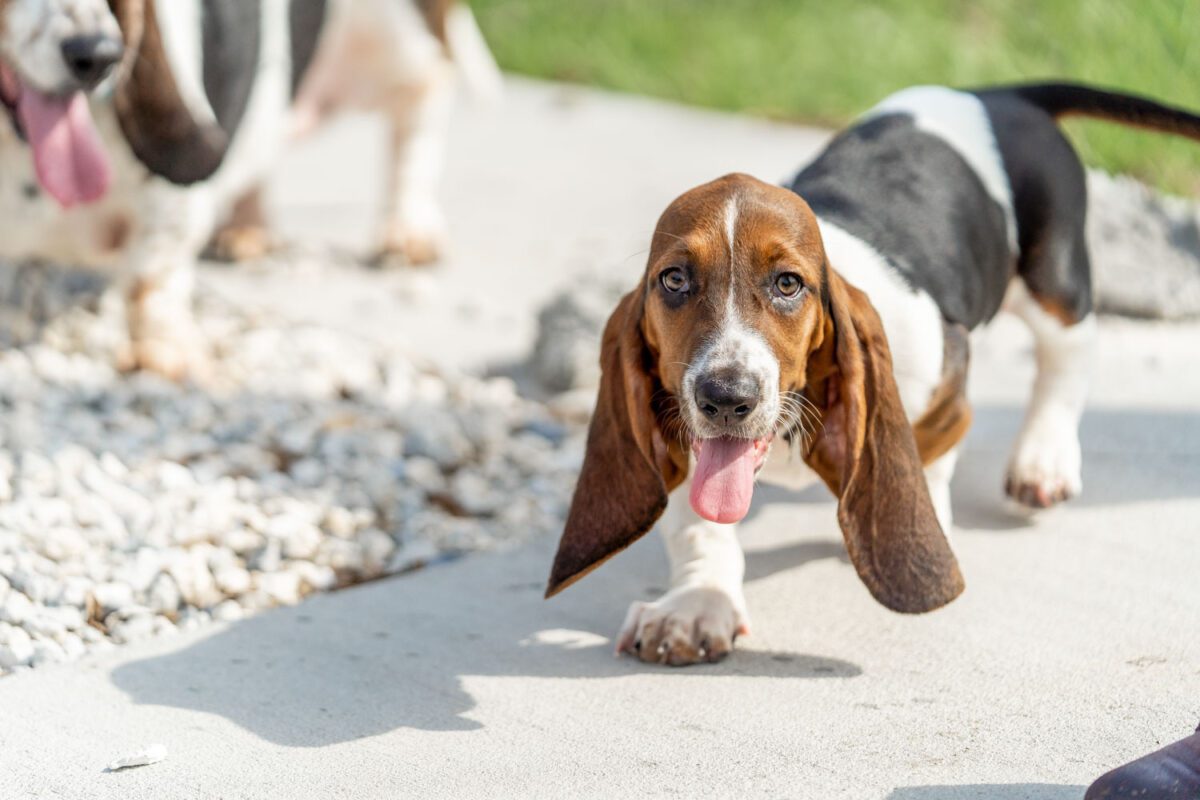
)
(138, 126)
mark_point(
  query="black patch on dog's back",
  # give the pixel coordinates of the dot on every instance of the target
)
(306, 19)
(232, 31)
(912, 197)
(1049, 190)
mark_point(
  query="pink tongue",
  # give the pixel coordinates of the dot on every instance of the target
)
(67, 151)
(724, 479)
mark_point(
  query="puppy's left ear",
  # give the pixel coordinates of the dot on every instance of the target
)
(161, 130)
(628, 467)
(866, 453)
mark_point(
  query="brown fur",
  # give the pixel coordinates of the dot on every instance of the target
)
(153, 117)
(831, 347)
(435, 13)
(629, 467)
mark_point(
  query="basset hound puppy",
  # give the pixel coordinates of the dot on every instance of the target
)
(137, 125)
(822, 328)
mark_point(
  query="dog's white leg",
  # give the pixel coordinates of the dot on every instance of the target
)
(1045, 464)
(414, 228)
(702, 614)
(937, 476)
(160, 280)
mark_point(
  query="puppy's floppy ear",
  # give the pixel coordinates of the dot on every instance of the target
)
(866, 454)
(160, 129)
(628, 469)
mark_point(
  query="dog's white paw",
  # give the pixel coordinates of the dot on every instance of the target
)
(687, 625)
(1045, 467)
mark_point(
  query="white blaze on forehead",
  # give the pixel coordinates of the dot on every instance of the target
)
(735, 344)
(961, 121)
(731, 220)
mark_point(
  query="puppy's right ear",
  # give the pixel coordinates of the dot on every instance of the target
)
(162, 131)
(622, 488)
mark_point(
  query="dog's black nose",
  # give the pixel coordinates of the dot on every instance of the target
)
(726, 398)
(90, 58)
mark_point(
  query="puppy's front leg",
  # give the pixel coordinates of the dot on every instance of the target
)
(705, 610)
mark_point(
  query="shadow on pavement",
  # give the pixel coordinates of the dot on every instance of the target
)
(394, 653)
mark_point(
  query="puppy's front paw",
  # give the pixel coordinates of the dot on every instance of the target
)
(687, 625)
(1045, 468)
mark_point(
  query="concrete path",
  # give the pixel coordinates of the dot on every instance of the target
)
(1075, 647)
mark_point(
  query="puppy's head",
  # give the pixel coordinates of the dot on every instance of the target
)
(54, 53)
(740, 334)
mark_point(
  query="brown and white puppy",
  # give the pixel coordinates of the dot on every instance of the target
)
(829, 320)
(741, 344)
(209, 93)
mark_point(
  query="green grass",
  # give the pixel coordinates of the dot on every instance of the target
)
(824, 61)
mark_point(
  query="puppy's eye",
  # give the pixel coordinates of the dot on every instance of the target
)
(788, 284)
(675, 280)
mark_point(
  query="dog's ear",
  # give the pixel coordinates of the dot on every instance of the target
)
(162, 132)
(628, 468)
(866, 453)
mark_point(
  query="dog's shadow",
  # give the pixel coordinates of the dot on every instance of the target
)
(397, 653)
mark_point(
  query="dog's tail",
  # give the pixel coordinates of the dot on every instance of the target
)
(471, 54)
(1073, 99)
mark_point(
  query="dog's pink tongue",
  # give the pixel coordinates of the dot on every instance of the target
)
(724, 479)
(67, 152)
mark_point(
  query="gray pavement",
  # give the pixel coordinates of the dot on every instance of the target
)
(1074, 648)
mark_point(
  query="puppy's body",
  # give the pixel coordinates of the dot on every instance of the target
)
(922, 220)
(215, 92)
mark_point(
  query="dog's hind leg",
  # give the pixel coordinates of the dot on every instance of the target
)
(702, 614)
(414, 228)
(1045, 464)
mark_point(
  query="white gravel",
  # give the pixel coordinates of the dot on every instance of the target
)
(131, 506)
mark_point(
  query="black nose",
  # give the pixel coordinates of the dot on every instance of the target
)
(91, 58)
(726, 398)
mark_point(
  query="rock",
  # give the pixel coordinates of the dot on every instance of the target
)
(423, 472)
(566, 352)
(434, 434)
(228, 611)
(474, 494)
(113, 596)
(164, 595)
(1133, 230)
(47, 651)
(15, 608)
(377, 548)
(191, 573)
(282, 588)
(233, 580)
(73, 646)
(16, 647)
(139, 625)
(140, 504)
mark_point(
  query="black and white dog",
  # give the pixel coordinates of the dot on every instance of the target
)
(191, 101)
(828, 319)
